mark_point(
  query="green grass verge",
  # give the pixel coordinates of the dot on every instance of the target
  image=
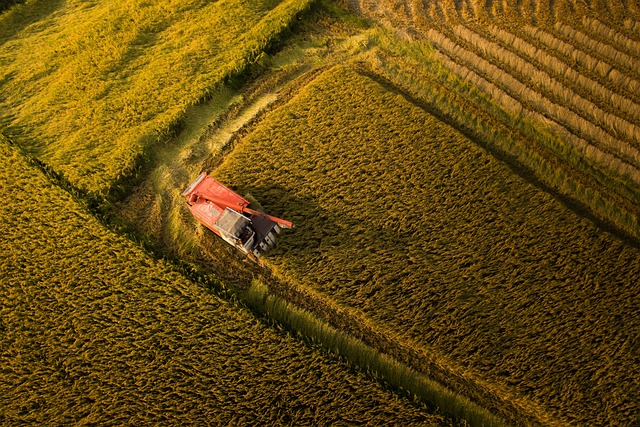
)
(355, 352)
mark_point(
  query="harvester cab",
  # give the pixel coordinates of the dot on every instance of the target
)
(227, 214)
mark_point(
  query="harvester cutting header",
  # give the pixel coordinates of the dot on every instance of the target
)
(227, 214)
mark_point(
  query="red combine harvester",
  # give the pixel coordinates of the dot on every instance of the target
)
(227, 214)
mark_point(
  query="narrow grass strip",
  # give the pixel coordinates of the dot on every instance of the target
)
(381, 365)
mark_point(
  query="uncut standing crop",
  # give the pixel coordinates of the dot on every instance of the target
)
(95, 331)
(89, 87)
(408, 223)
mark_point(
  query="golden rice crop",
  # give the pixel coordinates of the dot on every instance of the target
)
(91, 86)
(538, 101)
(587, 150)
(620, 41)
(467, 74)
(571, 124)
(618, 59)
(556, 160)
(622, 15)
(552, 88)
(615, 102)
(631, 25)
(601, 69)
(95, 331)
(603, 136)
(409, 224)
(402, 65)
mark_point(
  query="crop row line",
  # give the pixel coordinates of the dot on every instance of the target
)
(577, 168)
(613, 102)
(535, 100)
(619, 59)
(514, 106)
(560, 167)
(550, 87)
(611, 77)
(455, 11)
(439, 11)
(463, 10)
(566, 164)
(602, 70)
(442, 13)
(621, 42)
(632, 26)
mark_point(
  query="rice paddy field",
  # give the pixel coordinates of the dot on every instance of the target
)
(96, 332)
(407, 223)
(568, 67)
(91, 87)
(464, 178)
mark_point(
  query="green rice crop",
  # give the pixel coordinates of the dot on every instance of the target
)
(405, 222)
(90, 86)
(94, 331)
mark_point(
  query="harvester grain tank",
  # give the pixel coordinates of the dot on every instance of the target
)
(228, 215)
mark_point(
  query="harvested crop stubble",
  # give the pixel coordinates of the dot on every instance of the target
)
(449, 12)
(94, 331)
(632, 26)
(510, 104)
(613, 101)
(90, 87)
(603, 70)
(404, 220)
(619, 41)
(538, 102)
(619, 59)
(552, 88)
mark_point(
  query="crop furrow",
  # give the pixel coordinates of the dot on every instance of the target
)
(608, 100)
(633, 27)
(549, 87)
(594, 154)
(599, 31)
(445, 11)
(449, 12)
(602, 70)
(620, 60)
(535, 100)
(498, 8)
(470, 11)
